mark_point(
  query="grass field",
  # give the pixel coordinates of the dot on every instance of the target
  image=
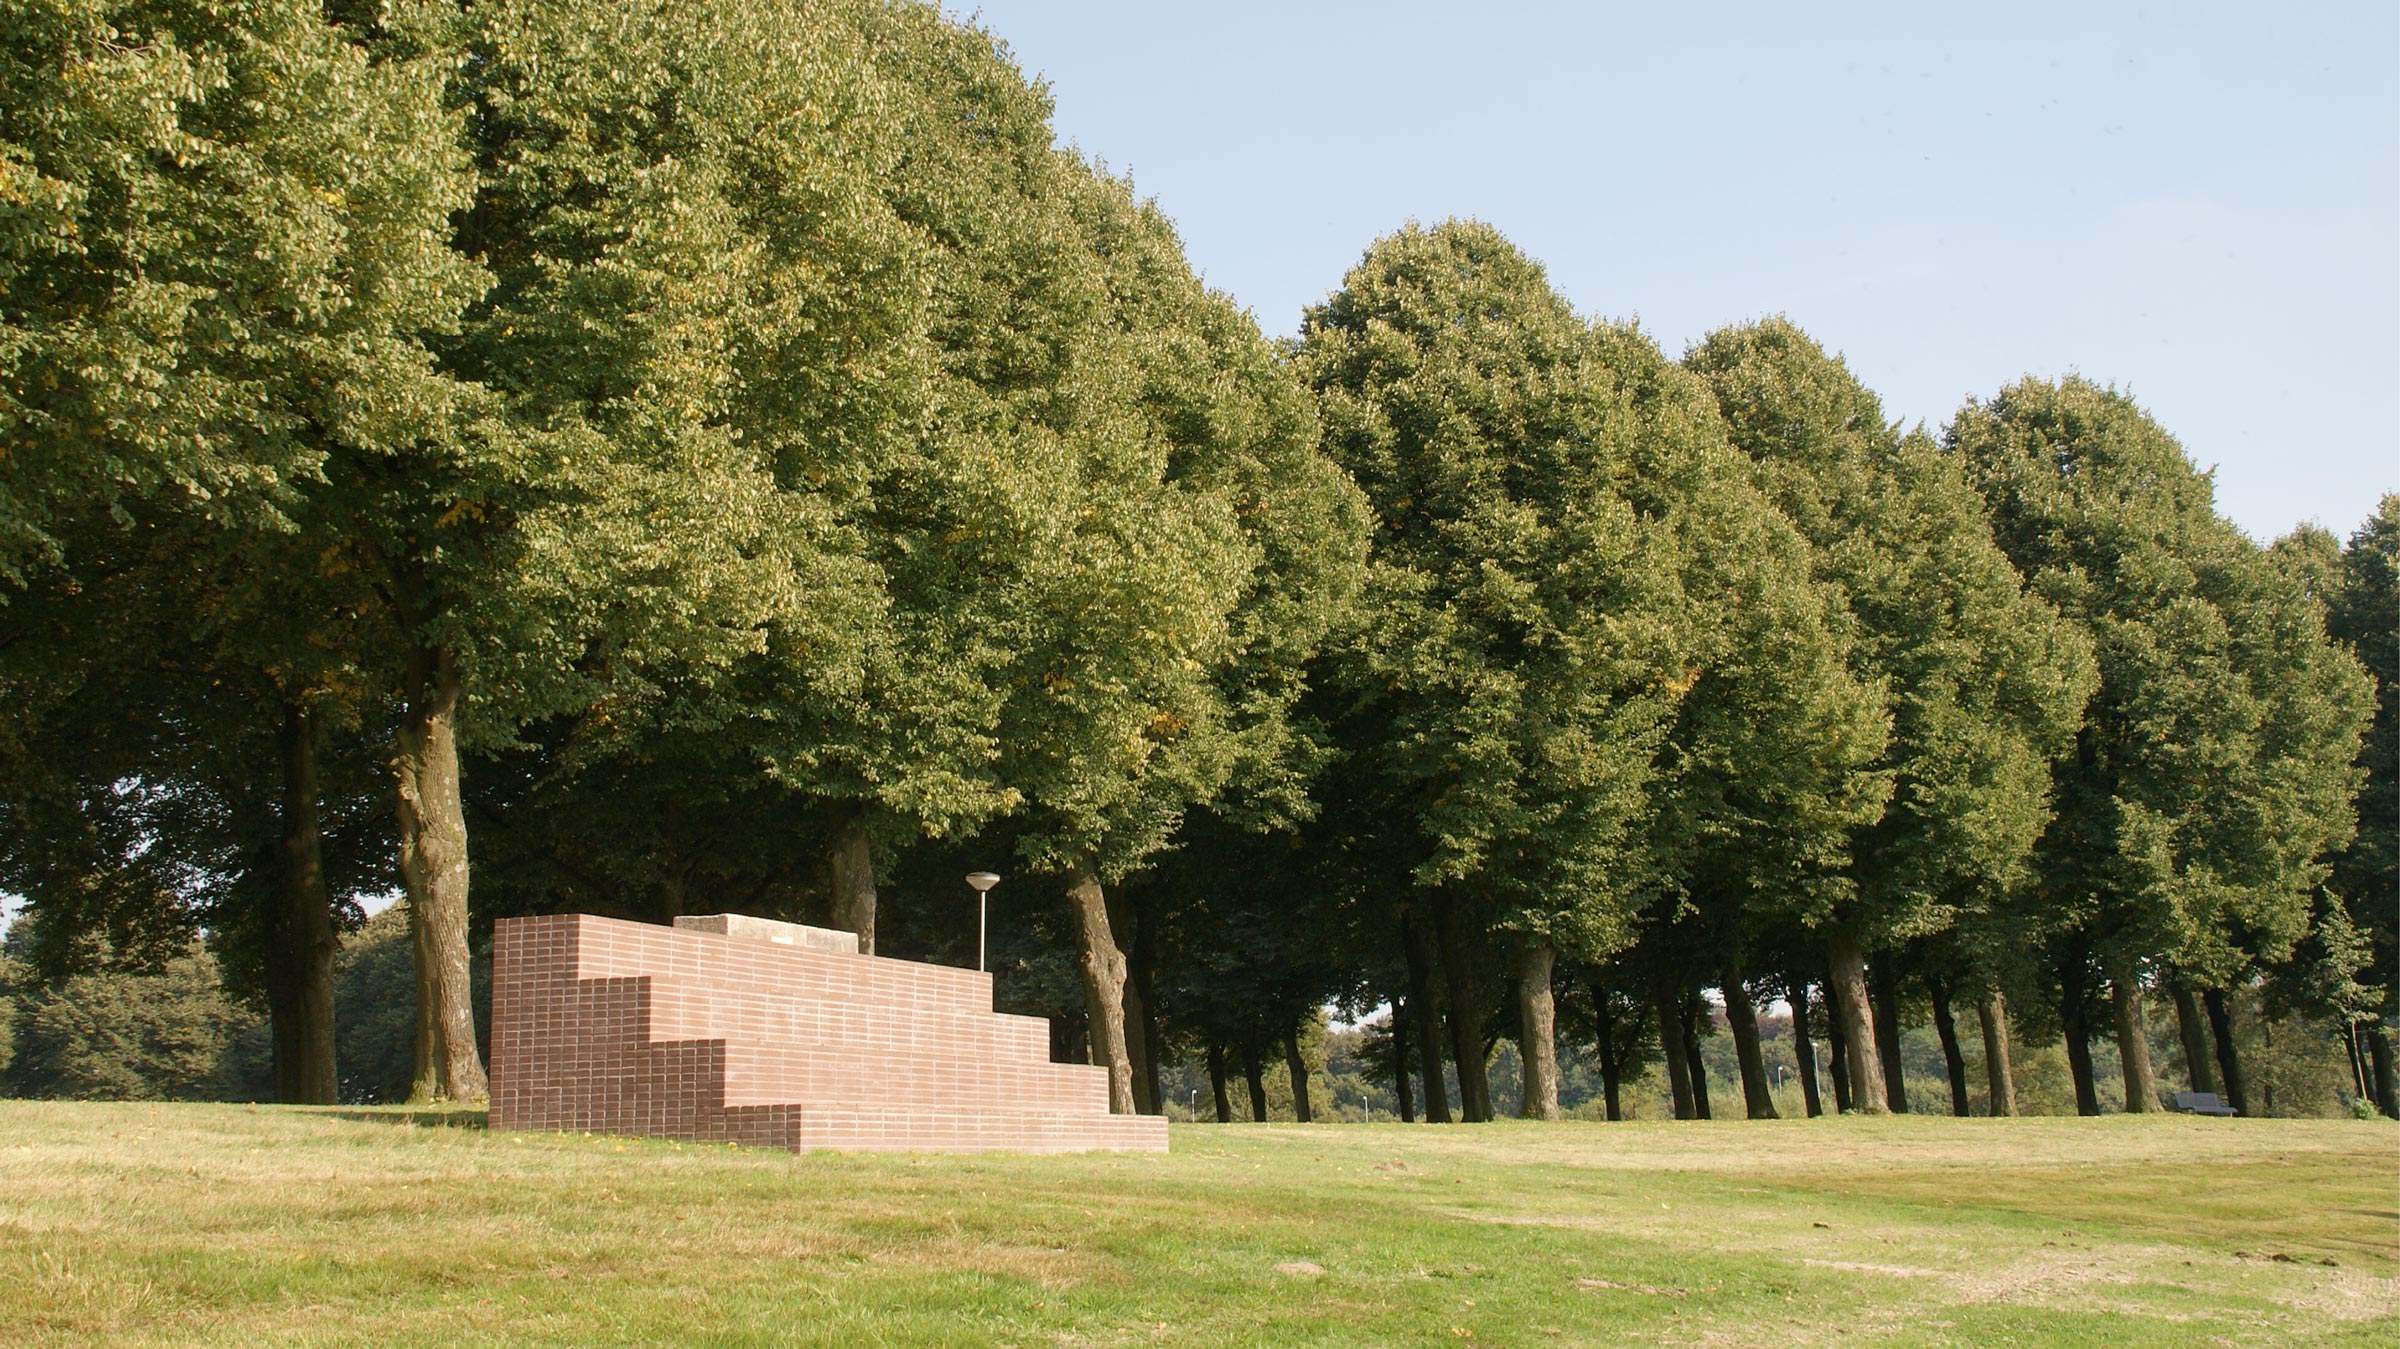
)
(192, 1224)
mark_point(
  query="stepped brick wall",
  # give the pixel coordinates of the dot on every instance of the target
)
(770, 1035)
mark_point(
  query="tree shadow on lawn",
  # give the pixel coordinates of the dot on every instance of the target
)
(412, 1116)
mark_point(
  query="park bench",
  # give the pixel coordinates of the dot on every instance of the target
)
(2199, 1103)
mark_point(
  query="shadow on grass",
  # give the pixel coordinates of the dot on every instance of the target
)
(414, 1116)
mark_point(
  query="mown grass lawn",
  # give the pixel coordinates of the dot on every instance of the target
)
(189, 1224)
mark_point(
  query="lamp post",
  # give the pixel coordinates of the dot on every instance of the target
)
(982, 881)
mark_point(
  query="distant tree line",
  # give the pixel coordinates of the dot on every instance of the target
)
(732, 458)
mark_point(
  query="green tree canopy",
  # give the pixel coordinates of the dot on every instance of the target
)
(2217, 763)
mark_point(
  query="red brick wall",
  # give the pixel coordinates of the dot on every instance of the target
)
(606, 1026)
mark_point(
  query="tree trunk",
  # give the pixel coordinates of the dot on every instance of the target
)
(1216, 1083)
(2000, 1083)
(1947, 1028)
(1804, 1048)
(433, 868)
(2073, 978)
(1146, 1027)
(1537, 1029)
(2133, 1039)
(2266, 1045)
(1143, 1014)
(1141, 1018)
(1846, 982)
(1741, 1017)
(2387, 1083)
(1693, 1062)
(1297, 1067)
(1604, 1017)
(1466, 1020)
(2229, 1058)
(2192, 1024)
(1137, 1050)
(1426, 1007)
(1886, 1017)
(851, 868)
(1669, 1004)
(1256, 1075)
(1400, 1092)
(300, 942)
(1103, 968)
(1838, 1061)
(674, 893)
(1067, 1039)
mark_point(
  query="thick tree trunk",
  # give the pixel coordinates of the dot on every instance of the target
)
(2000, 1083)
(1222, 1098)
(1465, 1009)
(1886, 1016)
(2133, 1039)
(2387, 1082)
(1137, 1050)
(1604, 1018)
(300, 941)
(1146, 1026)
(1297, 1068)
(1400, 1091)
(2192, 1024)
(1741, 1017)
(1255, 1074)
(1669, 1004)
(2073, 998)
(1142, 1021)
(1804, 1048)
(433, 868)
(1537, 1029)
(1103, 968)
(1946, 1027)
(1131, 919)
(1846, 983)
(2229, 1057)
(850, 866)
(1426, 1006)
(1838, 1062)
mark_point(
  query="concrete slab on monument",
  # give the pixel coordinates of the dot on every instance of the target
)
(741, 1030)
(768, 929)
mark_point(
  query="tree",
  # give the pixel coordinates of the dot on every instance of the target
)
(1984, 683)
(207, 280)
(690, 260)
(1536, 483)
(2366, 615)
(1193, 554)
(168, 775)
(117, 1032)
(2360, 588)
(2216, 763)
(233, 243)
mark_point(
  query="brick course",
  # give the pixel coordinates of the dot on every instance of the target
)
(605, 1026)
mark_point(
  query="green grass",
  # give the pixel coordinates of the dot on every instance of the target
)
(190, 1224)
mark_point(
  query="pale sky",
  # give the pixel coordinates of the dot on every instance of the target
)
(2200, 204)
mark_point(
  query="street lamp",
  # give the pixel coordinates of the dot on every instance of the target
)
(982, 881)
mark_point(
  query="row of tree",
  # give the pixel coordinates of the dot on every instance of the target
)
(780, 474)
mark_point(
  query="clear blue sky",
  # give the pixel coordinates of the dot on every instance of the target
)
(2198, 204)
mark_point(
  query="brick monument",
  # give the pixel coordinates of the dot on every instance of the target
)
(729, 1029)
